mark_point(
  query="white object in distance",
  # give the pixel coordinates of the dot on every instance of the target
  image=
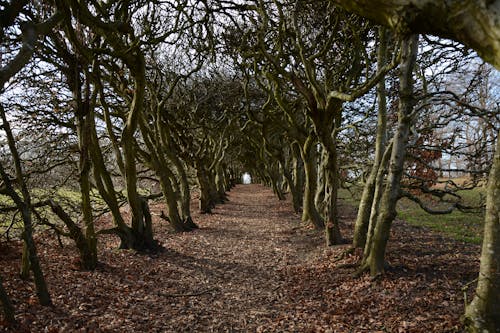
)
(247, 179)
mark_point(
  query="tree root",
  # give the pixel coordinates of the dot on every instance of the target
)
(344, 254)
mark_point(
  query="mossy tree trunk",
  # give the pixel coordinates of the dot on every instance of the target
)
(75, 68)
(156, 159)
(375, 249)
(309, 210)
(220, 183)
(139, 224)
(185, 192)
(365, 203)
(23, 203)
(297, 178)
(327, 124)
(483, 313)
(104, 182)
(121, 38)
(8, 309)
(83, 105)
(88, 255)
(332, 228)
(295, 190)
(275, 179)
(375, 204)
(205, 201)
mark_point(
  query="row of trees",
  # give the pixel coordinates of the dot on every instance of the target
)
(109, 100)
(323, 72)
(114, 98)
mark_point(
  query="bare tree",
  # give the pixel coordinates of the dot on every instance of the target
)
(473, 22)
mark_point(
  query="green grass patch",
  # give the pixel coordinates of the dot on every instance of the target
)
(462, 226)
(466, 227)
(350, 196)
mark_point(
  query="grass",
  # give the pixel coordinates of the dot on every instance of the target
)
(466, 227)
(69, 199)
(352, 196)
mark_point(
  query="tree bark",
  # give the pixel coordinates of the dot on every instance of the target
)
(295, 191)
(482, 314)
(156, 158)
(105, 186)
(128, 145)
(365, 204)
(24, 205)
(474, 23)
(375, 260)
(25, 264)
(332, 230)
(297, 178)
(309, 211)
(205, 202)
(88, 254)
(185, 200)
(8, 309)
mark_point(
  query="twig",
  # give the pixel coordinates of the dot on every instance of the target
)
(465, 288)
(188, 294)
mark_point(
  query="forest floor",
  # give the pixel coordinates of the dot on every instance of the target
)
(251, 267)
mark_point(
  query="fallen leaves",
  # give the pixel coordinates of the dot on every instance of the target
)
(250, 267)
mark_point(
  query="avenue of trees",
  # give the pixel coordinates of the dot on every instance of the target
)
(112, 104)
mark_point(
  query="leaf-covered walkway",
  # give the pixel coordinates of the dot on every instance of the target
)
(250, 267)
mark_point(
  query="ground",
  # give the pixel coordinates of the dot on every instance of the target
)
(251, 267)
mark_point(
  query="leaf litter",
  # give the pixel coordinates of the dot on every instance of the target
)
(251, 267)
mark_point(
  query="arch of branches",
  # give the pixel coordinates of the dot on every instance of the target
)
(106, 104)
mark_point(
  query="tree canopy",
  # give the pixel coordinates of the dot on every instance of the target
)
(106, 106)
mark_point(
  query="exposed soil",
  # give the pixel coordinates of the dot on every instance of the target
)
(251, 267)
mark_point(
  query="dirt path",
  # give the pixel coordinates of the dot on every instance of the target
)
(250, 267)
(240, 254)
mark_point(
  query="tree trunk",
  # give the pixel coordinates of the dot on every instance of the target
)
(185, 200)
(321, 182)
(276, 182)
(25, 263)
(8, 309)
(105, 187)
(482, 314)
(309, 211)
(40, 284)
(376, 256)
(215, 197)
(139, 225)
(375, 206)
(171, 197)
(24, 205)
(220, 185)
(84, 133)
(205, 203)
(332, 231)
(297, 178)
(295, 192)
(87, 253)
(156, 159)
(365, 204)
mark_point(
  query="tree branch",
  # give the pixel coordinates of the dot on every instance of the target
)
(474, 23)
